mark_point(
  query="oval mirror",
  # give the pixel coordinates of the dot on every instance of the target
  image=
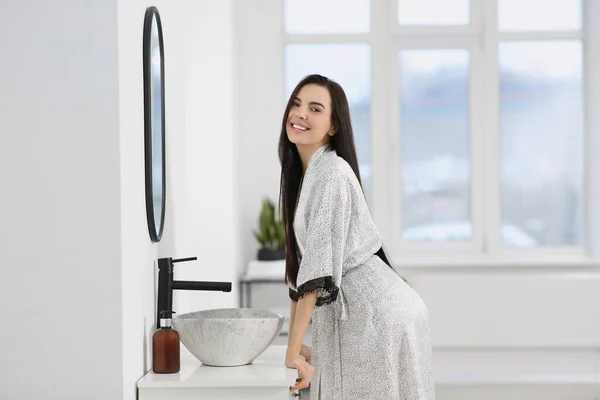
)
(154, 122)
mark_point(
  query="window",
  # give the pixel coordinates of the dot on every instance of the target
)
(320, 17)
(324, 58)
(560, 15)
(435, 131)
(481, 141)
(348, 63)
(542, 141)
(433, 12)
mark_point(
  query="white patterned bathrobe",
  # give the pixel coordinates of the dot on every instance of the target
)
(371, 337)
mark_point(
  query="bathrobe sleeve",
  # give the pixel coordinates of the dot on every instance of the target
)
(294, 295)
(326, 232)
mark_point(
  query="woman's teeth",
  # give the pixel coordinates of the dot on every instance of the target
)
(302, 128)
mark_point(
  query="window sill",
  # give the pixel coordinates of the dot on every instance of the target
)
(498, 262)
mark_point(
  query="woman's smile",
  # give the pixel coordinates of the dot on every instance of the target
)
(297, 127)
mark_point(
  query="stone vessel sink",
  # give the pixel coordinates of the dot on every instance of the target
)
(228, 337)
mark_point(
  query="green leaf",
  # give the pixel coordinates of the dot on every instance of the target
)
(271, 227)
(259, 238)
(280, 235)
(272, 237)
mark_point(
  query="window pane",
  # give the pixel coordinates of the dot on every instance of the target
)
(539, 15)
(329, 16)
(436, 178)
(355, 79)
(433, 12)
(542, 142)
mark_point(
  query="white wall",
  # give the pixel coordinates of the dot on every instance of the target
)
(60, 239)
(79, 267)
(261, 93)
(200, 219)
(503, 322)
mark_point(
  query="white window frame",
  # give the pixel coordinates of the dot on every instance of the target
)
(386, 38)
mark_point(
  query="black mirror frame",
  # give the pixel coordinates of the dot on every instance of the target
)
(152, 13)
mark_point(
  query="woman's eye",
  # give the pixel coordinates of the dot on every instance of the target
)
(295, 105)
(316, 110)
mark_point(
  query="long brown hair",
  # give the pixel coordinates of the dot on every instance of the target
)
(291, 165)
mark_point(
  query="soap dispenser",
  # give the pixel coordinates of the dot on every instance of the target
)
(165, 346)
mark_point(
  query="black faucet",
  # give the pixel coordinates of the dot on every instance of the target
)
(166, 285)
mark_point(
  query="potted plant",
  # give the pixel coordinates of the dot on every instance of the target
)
(271, 234)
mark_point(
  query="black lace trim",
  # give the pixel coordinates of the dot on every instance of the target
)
(294, 295)
(329, 291)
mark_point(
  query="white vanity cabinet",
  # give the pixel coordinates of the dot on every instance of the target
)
(267, 378)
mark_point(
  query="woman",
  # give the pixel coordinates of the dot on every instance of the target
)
(370, 329)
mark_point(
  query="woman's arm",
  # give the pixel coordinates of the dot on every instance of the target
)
(300, 314)
(306, 350)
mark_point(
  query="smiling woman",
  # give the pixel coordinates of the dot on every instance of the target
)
(371, 335)
(310, 117)
(302, 59)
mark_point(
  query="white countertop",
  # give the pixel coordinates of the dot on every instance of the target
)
(268, 370)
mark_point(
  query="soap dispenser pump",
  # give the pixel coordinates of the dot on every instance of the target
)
(165, 346)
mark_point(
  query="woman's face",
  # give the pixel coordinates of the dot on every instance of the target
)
(309, 120)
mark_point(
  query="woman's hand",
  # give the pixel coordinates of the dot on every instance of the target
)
(306, 352)
(305, 370)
